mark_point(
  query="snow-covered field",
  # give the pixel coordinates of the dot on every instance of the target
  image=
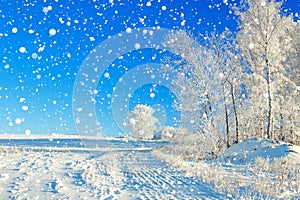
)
(72, 168)
(62, 168)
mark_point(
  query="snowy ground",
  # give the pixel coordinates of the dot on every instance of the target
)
(253, 169)
(70, 169)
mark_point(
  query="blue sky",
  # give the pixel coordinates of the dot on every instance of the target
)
(44, 43)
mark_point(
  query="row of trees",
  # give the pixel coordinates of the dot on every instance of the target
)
(240, 85)
(245, 84)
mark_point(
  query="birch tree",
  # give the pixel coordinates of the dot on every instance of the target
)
(199, 85)
(264, 38)
(231, 70)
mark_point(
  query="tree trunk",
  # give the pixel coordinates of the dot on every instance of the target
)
(235, 115)
(281, 127)
(210, 111)
(269, 113)
(291, 130)
(269, 116)
(226, 119)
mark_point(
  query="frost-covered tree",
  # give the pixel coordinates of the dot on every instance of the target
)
(198, 83)
(227, 57)
(243, 85)
(266, 39)
(142, 122)
(287, 94)
(208, 82)
(195, 82)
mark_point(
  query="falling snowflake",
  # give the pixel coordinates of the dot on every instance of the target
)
(251, 45)
(22, 49)
(14, 30)
(52, 32)
(152, 95)
(34, 55)
(137, 46)
(132, 121)
(18, 121)
(27, 132)
(25, 108)
(22, 100)
(128, 30)
(106, 75)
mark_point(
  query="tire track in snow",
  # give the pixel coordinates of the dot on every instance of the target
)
(148, 178)
(104, 176)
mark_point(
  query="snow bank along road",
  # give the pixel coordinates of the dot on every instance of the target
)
(105, 174)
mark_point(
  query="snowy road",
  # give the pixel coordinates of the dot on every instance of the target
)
(117, 174)
(148, 178)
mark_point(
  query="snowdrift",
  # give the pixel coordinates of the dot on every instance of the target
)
(247, 151)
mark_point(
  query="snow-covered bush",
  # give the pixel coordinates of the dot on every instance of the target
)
(9, 150)
(168, 133)
(194, 146)
(171, 133)
(142, 122)
(278, 178)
